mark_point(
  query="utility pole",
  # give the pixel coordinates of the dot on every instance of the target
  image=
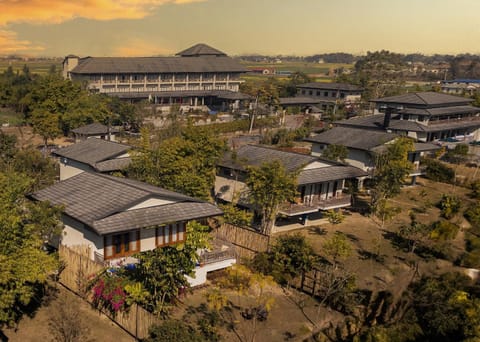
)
(254, 111)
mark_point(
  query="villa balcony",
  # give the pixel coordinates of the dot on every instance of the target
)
(294, 209)
(220, 251)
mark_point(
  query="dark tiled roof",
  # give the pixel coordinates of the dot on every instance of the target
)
(330, 86)
(376, 122)
(357, 138)
(425, 99)
(92, 197)
(440, 110)
(92, 151)
(251, 155)
(423, 147)
(200, 50)
(94, 129)
(153, 216)
(113, 164)
(147, 65)
(329, 173)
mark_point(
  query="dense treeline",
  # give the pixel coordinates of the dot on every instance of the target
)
(53, 105)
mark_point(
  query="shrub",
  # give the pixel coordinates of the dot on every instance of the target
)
(443, 230)
(472, 214)
(449, 206)
(109, 293)
(438, 172)
(334, 217)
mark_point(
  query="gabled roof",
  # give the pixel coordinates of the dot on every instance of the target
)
(329, 173)
(298, 100)
(424, 99)
(356, 138)
(200, 50)
(94, 151)
(376, 122)
(254, 155)
(94, 129)
(101, 202)
(330, 86)
(317, 171)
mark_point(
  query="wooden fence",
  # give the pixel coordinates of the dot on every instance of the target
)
(247, 242)
(78, 271)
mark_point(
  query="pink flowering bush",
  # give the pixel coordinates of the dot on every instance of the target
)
(108, 293)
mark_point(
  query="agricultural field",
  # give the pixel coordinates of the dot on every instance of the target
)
(40, 67)
(313, 69)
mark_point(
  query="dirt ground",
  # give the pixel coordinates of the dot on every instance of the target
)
(36, 328)
(26, 137)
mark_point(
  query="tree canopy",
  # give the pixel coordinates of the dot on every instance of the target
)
(270, 185)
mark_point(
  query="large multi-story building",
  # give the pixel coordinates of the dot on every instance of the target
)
(199, 75)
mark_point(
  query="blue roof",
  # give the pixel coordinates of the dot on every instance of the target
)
(462, 80)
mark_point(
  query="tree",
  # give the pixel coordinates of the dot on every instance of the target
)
(380, 73)
(25, 266)
(270, 185)
(335, 153)
(336, 248)
(162, 271)
(184, 164)
(391, 168)
(46, 124)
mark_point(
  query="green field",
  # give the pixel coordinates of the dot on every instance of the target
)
(314, 69)
(35, 66)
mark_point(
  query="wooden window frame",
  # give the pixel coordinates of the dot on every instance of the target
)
(124, 252)
(160, 234)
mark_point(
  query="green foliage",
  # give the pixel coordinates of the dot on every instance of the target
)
(287, 259)
(458, 154)
(335, 153)
(415, 233)
(184, 164)
(337, 248)
(475, 187)
(380, 73)
(472, 214)
(438, 171)
(449, 206)
(269, 186)
(236, 216)
(162, 271)
(334, 216)
(443, 230)
(109, 293)
(445, 309)
(174, 331)
(391, 168)
(25, 265)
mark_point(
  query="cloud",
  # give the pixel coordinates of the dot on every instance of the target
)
(9, 44)
(58, 11)
(139, 47)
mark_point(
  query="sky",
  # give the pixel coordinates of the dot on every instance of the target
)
(56, 28)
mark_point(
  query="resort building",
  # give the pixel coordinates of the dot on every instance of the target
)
(197, 76)
(424, 116)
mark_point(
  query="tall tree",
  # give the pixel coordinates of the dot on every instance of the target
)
(270, 185)
(185, 164)
(391, 168)
(24, 265)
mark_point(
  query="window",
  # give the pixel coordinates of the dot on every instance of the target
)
(325, 93)
(318, 92)
(171, 234)
(121, 245)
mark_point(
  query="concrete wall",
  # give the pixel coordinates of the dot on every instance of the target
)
(201, 272)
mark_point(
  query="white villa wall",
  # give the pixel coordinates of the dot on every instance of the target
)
(315, 165)
(147, 239)
(70, 168)
(201, 272)
(151, 202)
(360, 159)
(75, 233)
